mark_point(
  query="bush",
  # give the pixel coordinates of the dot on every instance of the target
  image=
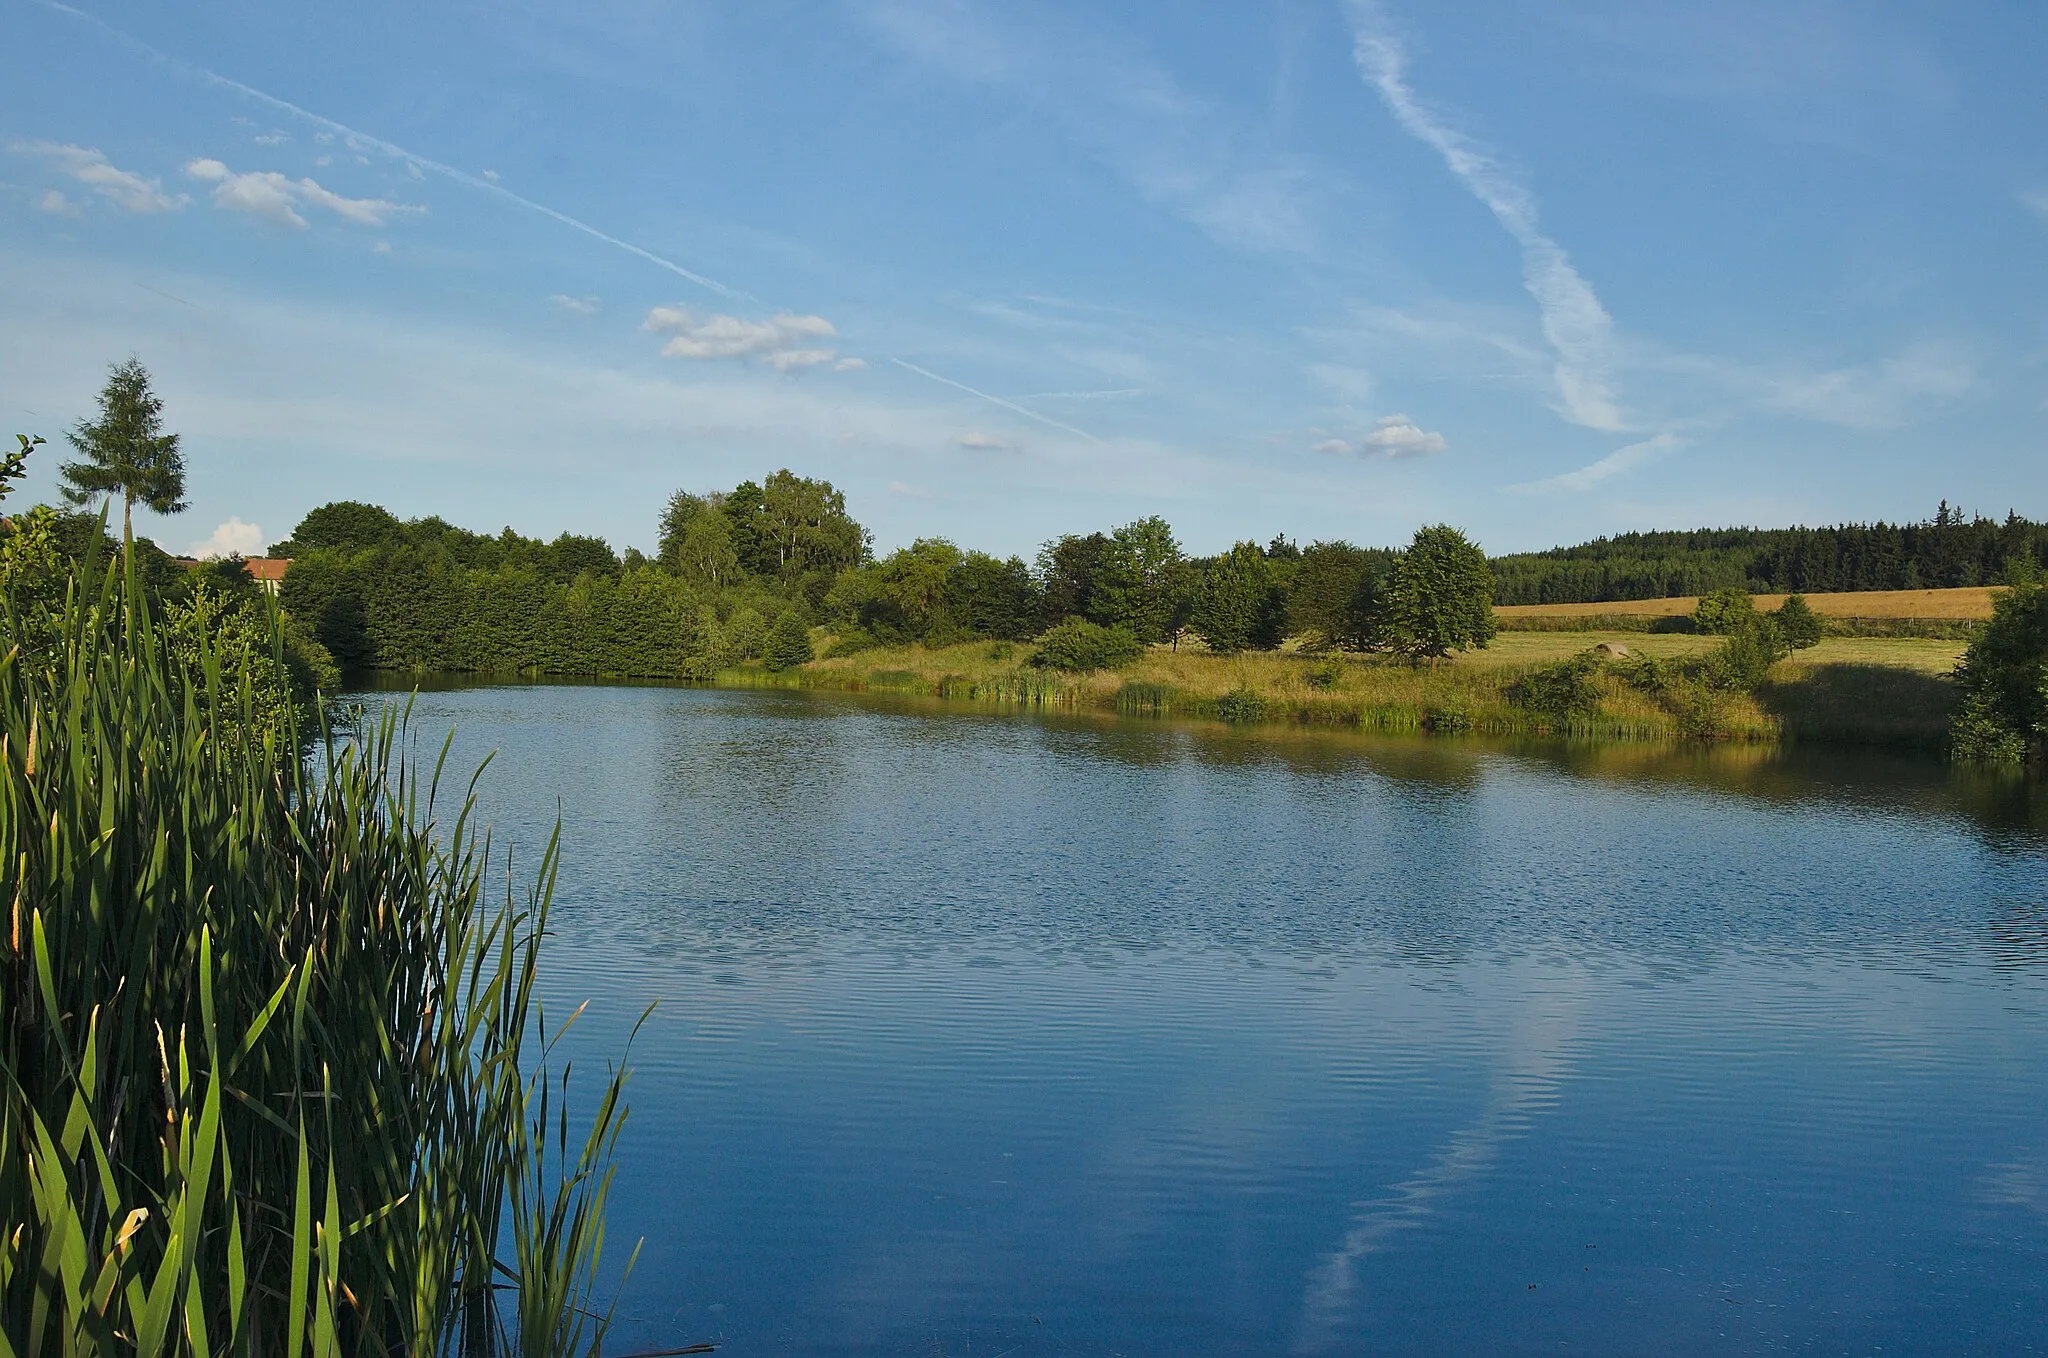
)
(788, 644)
(1324, 675)
(1242, 705)
(1800, 625)
(1561, 691)
(1078, 645)
(1742, 660)
(1723, 612)
(2004, 677)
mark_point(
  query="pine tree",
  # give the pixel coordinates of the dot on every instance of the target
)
(126, 452)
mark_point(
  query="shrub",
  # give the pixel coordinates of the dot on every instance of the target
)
(1324, 675)
(1079, 645)
(2004, 678)
(1723, 612)
(1798, 622)
(788, 644)
(1747, 654)
(1242, 705)
(1561, 691)
(745, 633)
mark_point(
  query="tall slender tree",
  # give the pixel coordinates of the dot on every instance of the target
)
(126, 452)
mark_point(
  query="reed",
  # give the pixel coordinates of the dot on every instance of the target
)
(272, 1076)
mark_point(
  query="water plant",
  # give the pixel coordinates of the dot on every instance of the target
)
(273, 1079)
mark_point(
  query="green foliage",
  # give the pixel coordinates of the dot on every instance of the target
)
(1438, 597)
(1751, 646)
(1244, 705)
(125, 451)
(2003, 716)
(744, 634)
(14, 465)
(1561, 692)
(1332, 597)
(1238, 604)
(346, 524)
(1723, 612)
(1798, 623)
(1951, 549)
(1067, 571)
(263, 1073)
(1142, 582)
(788, 644)
(1324, 674)
(1079, 645)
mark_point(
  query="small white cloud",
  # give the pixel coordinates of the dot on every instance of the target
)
(1614, 464)
(1334, 447)
(980, 442)
(382, 247)
(785, 341)
(273, 137)
(125, 190)
(582, 306)
(323, 160)
(57, 205)
(268, 194)
(1399, 436)
(908, 491)
(233, 538)
(491, 175)
(849, 365)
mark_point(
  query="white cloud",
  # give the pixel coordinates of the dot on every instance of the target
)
(2038, 201)
(127, 191)
(1578, 328)
(57, 205)
(491, 175)
(1614, 464)
(270, 195)
(981, 442)
(1399, 436)
(582, 306)
(233, 538)
(273, 138)
(382, 247)
(1394, 436)
(785, 341)
(849, 365)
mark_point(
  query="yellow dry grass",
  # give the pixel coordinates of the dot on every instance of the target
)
(1970, 605)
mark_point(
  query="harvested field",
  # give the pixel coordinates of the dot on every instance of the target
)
(1918, 654)
(1968, 605)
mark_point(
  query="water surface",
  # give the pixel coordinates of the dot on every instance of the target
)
(992, 1033)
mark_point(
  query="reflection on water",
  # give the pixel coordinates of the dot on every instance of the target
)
(989, 1032)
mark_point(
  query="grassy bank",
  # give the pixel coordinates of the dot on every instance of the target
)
(1861, 690)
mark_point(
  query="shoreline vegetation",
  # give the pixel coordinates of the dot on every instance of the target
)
(1921, 635)
(274, 1074)
(1615, 687)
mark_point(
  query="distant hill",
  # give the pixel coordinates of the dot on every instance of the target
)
(1947, 551)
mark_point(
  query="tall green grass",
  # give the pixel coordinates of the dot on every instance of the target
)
(273, 1079)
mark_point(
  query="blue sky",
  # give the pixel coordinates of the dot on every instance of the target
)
(1541, 268)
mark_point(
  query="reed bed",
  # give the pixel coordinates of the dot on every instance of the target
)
(273, 1078)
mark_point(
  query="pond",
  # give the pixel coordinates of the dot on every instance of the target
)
(985, 1033)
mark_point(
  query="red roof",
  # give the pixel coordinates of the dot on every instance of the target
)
(268, 569)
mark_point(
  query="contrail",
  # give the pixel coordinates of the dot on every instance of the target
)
(997, 400)
(359, 140)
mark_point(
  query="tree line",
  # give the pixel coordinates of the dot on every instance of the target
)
(1950, 550)
(745, 574)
